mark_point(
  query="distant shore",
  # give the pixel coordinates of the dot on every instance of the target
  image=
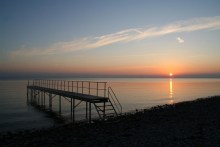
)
(192, 123)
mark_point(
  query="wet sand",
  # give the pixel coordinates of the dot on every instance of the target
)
(192, 123)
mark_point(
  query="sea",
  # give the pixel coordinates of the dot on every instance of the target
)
(134, 94)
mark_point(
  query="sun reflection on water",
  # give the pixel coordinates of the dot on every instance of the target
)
(171, 100)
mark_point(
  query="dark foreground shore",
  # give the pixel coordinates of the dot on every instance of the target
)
(193, 123)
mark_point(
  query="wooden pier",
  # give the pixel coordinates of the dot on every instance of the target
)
(98, 94)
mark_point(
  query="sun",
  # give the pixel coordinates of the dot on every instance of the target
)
(171, 74)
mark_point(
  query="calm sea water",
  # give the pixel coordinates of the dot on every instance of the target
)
(134, 93)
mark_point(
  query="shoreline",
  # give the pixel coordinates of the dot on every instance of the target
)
(190, 123)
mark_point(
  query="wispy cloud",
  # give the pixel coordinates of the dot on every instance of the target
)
(124, 36)
(180, 40)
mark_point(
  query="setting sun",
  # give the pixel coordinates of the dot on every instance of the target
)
(171, 74)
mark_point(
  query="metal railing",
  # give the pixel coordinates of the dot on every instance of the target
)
(113, 97)
(83, 87)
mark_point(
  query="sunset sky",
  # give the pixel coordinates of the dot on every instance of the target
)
(110, 37)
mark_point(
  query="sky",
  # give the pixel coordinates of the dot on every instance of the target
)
(141, 38)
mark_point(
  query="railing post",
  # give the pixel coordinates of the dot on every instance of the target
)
(77, 87)
(104, 89)
(61, 84)
(82, 87)
(108, 92)
(97, 92)
(64, 85)
(89, 87)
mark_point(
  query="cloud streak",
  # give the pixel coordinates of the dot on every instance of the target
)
(180, 40)
(125, 36)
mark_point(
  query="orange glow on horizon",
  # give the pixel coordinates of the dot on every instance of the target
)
(163, 70)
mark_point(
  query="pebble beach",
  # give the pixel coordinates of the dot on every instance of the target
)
(191, 123)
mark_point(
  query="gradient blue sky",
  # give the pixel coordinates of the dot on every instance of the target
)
(110, 37)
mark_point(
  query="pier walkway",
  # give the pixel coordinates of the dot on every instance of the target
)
(98, 94)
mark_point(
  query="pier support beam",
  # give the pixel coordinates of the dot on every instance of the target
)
(87, 111)
(41, 98)
(38, 98)
(27, 95)
(73, 110)
(104, 111)
(50, 101)
(31, 95)
(60, 105)
(44, 101)
(72, 102)
(90, 112)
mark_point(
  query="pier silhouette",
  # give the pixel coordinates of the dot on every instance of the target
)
(98, 94)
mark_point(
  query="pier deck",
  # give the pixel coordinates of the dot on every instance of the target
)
(74, 95)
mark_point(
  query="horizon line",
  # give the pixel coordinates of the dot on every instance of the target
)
(17, 75)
